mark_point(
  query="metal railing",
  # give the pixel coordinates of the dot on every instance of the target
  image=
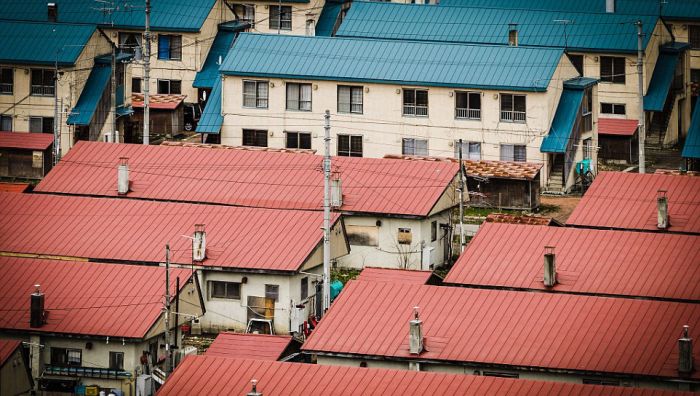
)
(5, 88)
(472, 114)
(43, 90)
(418, 111)
(513, 116)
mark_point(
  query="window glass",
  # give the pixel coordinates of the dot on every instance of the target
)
(255, 137)
(350, 145)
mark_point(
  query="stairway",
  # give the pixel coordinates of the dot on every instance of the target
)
(555, 184)
(656, 132)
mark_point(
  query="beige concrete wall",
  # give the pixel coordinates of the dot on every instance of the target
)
(304, 16)
(14, 377)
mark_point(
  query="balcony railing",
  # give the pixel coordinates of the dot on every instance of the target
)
(43, 90)
(418, 111)
(356, 108)
(6, 88)
(513, 116)
(472, 114)
(92, 372)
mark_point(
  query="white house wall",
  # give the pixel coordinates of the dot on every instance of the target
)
(304, 16)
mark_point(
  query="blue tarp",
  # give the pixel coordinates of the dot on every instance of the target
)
(211, 119)
(210, 71)
(90, 97)
(661, 81)
(691, 148)
(564, 120)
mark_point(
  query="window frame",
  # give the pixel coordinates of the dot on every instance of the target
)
(404, 236)
(170, 87)
(140, 84)
(300, 87)
(227, 295)
(415, 146)
(170, 55)
(433, 231)
(272, 290)
(615, 77)
(116, 360)
(44, 121)
(4, 117)
(516, 116)
(469, 112)
(7, 87)
(522, 147)
(42, 89)
(467, 155)
(613, 106)
(258, 133)
(276, 14)
(353, 106)
(298, 139)
(304, 284)
(261, 102)
(349, 152)
(694, 33)
(414, 104)
(62, 357)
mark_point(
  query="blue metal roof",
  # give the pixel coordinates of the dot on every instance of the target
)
(210, 71)
(691, 148)
(92, 92)
(584, 32)
(42, 43)
(166, 15)
(392, 62)
(674, 9)
(211, 119)
(563, 124)
(661, 81)
(327, 19)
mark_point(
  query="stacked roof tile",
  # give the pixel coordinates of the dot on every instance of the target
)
(485, 168)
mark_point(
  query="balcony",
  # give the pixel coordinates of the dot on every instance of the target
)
(43, 90)
(91, 372)
(6, 88)
(413, 110)
(513, 116)
(470, 114)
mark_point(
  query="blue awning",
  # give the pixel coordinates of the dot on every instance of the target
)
(211, 119)
(90, 97)
(124, 111)
(219, 48)
(691, 148)
(329, 16)
(564, 120)
(661, 81)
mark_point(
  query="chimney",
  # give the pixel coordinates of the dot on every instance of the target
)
(513, 34)
(415, 334)
(662, 210)
(685, 352)
(36, 310)
(254, 391)
(52, 10)
(123, 176)
(199, 243)
(610, 6)
(550, 266)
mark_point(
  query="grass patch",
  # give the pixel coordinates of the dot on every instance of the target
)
(344, 274)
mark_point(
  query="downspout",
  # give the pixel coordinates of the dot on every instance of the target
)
(669, 29)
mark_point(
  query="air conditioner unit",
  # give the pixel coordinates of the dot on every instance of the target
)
(196, 327)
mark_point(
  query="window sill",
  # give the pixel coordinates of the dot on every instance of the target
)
(255, 108)
(467, 119)
(514, 122)
(349, 112)
(414, 116)
(299, 111)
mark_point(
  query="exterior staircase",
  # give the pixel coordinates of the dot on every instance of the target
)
(555, 184)
(656, 132)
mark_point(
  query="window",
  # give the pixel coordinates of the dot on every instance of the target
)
(248, 14)
(255, 94)
(468, 105)
(66, 357)
(405, 237)
(587, 148)
(304, 288)
(116, 360)
(6, 81)
(411, 146)
(587, 110)
(299, 97)
(433, 231)
(41, 124)
(513, 152)
(415, 102)
(349, 99)
(470, 150)
(136, 85)
(280, 17)
(169, 47)
(5, 123)
(577, 61)
(298, 140)
(169, 87)
(130, 43)
(230, 290)
(273, 292)
(694, 36)
(513, 108)
(255, 137)
(612, 69)
(350, 145)
(695, 75)
(612, 108)
(42, 82)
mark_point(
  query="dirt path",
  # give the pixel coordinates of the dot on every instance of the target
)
(559, 208)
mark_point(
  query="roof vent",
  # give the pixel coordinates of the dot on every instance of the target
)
(123, 176)
(550, 266)
(685, 352)
(415, 334)
(37, 315)
(199, 243)
(610, 6)
(52, 9)
(254, 391)
(513, 34)
(662, 222)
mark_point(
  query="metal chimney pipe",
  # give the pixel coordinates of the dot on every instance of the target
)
(123, 176)
(415, 334)
(685, 352)
(550, 266)
(662, 210)
(254, 391)
(36, 308)
(199, 243)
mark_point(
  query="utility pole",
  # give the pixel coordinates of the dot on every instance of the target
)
(56, 123)
(327, 212)
(167, 309)
(147, 77)
(640, 74)
(115, 135)
(461, 199)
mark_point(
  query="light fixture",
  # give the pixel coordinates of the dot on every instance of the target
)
(315, 87)
(398, 91)
(450, 143)
(366, 89)
(452, 94)
(272, 85)
(272, 133)
(495, 96)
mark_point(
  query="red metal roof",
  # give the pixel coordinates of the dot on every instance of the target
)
(7, 348)
(199, 375)
(250, 178)
(25, 140)
(519, 219)
(249, 346)
(14, 187)
(608, 262)
(628, 201)
(617, 126)
(510, 328)
(137, 230)
(85, 298)
(158, 101)
(394, 275)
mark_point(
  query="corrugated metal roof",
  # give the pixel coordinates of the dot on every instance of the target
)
(628, 201)
(249, 346)
(508, 328)
(158, 101)
(605, 262)
(251, 178)
(166, 15)
(211, 119)
(137, 231)
(371, 274)
(217, 375)
(519, 219)
(557, 139)
(41, 43)
(85, 298)
(484, 168)
(585, 32)
(392, 62)
(91, 95)
(617, 126)
(206, 77)
(691, 147)
(26, 141)
(660, 82)
(14, 187)
(7, 348)
(328, 18)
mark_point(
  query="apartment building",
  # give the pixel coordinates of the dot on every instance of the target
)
(296, 17)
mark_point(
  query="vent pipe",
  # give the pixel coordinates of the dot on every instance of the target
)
(37, 316)
(199, 243)
(52, 12)
(513, 34)
(415, 334)
(550, 266)
(123, 176)
(662, 222)
(610, 6)
(254, 391)
(685, 352)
